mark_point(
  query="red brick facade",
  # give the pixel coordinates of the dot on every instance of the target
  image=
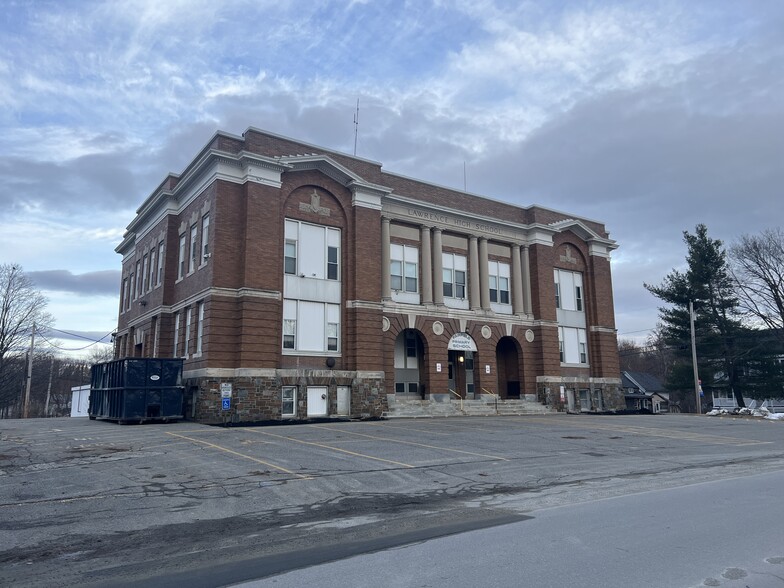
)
(495, 330)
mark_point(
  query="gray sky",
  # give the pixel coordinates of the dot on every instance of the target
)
(648, 116)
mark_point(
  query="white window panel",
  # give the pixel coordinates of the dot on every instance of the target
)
(311, 326)
(313, 251)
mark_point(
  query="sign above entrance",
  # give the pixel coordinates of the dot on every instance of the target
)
(461, 342)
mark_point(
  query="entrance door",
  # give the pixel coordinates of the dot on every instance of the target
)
(317, 401)
(344, 400)
(585, 400)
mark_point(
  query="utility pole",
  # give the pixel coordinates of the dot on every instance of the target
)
(26, 411)
(49, 388)
(694, 359)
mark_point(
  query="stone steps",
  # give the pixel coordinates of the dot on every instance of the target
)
(407, 408)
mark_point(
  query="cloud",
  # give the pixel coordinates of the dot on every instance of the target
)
(99, 283)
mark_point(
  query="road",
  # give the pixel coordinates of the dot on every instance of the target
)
(97, 504)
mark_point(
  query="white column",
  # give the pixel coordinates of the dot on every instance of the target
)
(386, 290)
(484, 275)
(517, 281)
(438, 267)
(427, 267)
(527, 281)
(473, 274)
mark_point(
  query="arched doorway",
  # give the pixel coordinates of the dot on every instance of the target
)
(462, 354)
(410, 372)
(507, 354)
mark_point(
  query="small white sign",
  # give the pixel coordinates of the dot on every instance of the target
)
(225, 389)
(438, 368)
(487, 368)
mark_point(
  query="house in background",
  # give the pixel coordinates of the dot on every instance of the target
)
(645, 392)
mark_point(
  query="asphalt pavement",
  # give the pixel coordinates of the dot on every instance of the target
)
(98, 504)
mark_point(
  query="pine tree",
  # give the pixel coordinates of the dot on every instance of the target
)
(707, 283)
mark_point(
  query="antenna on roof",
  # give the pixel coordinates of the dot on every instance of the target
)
(356, 127)
(464, 177)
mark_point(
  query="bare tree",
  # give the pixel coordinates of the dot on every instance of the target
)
(21, 306)
(758, 267)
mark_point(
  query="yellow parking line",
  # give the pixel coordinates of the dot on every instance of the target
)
(354, 453)
(413, 443)
(251, 458)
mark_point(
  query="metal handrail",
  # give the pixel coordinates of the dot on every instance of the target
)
(460, 397)
(494, 395)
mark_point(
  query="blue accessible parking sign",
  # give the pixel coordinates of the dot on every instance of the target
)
(225, 403)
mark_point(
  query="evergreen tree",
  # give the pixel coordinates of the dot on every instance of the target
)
(707, 283)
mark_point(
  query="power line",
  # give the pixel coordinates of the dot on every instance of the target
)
(101, 340)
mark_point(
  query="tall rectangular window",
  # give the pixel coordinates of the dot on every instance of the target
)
(404, 268)
(333, 325)
(138, 291)
(186, 344)
(124, 295)
(289, 324)
(573, 345)
(133, 289)
(151, 277)
(145, 273)
(194, 250)
(569, 290)
(200, 329)
(499, 282)
(181, 259)
(160, 264)
(176, 335)
(311, 251)
(205, 238)
(333, 254)
(288, 405)
(454, 275)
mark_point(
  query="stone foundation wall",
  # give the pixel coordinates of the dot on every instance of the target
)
(258, 398)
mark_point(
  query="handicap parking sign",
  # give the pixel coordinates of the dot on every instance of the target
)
(225, 403)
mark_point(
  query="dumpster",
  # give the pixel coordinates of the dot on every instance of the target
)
(137, 390)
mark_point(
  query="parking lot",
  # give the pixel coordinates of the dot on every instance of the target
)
(74, 491)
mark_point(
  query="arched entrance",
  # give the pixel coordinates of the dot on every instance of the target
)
(460, 361)
(507, 354)
(410, 372)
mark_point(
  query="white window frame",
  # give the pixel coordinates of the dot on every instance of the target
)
(188, 319)
(161, 251)
(176, 335)
(139, 278)
(151, 275)
(181, 259)
(133, 289)
(499, 286)
(569, 290)
(298, 235)
(404, 273)
(294, 339)
(573, 346)
(145, 273)
(200, 329)
(124, 305)
(284, 392)
(205, 238)
(194, 250)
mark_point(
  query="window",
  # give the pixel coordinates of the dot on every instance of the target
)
(200, 329)
(194, 250)
(573, 345)
(404, 268)
(568, 290)
(160, 264)
(290, 257)
(138, 290)
(145, 274)
(205, 238)
(176, 334)
(411, 343)
(311, 326)
(499, 282)
(124, 304)
(454, 275)
(288, 405)
(186, 344)
(311, 251)
(181, 262)
(133, 289)
(151, 276)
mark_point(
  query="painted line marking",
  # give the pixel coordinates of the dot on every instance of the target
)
(417, 429)
(412, 443)
(354, 453)
(238, 454)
